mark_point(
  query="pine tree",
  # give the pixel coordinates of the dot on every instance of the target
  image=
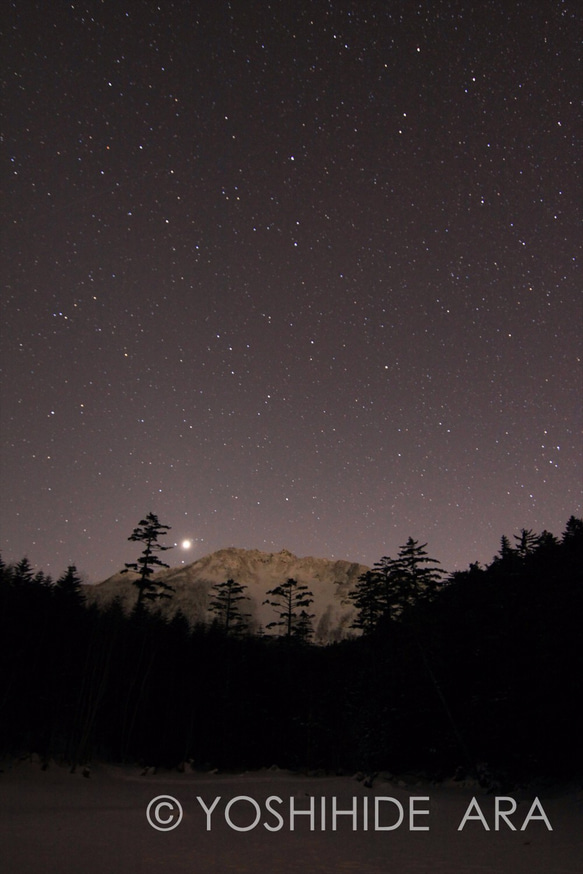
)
(572, 545)
(69, 587)
(148, 532)
(526, 542)
(370, 597)
(303, 628)
(573, 532)
(416, 572)
(547, 541)
(22, 573)
(393, 584)
(506, 551)
(225, 606)
(287, 599)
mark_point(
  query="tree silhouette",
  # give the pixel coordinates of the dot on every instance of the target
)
(69, 587)
(303, 628)
(573, 533)
(22, 574)
(370, 598)
(225, 605)
(526, 542)
(506, 550)
(394, 584)
(148, 532)
(498, 646)
(416, 572)
(287, 599)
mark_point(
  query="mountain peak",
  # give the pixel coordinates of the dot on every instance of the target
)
(329, 580)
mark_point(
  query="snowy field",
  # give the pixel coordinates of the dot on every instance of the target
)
(58, 823)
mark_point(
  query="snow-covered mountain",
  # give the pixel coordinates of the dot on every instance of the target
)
(329, 581)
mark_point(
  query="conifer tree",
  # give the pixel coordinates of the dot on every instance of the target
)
(370, 598)
(526, 542)
(393, 584)
(572, 545)
(23, 573)
(417, 572)
(573, 532)
(148, 532)
(547, 540)
(225, 605)
(287, 599)
(506, 550)
(303, 628)
(69, 587)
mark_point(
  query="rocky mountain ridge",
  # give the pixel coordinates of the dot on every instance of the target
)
(329, 581)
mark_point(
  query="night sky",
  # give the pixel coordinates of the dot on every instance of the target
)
(291, 274)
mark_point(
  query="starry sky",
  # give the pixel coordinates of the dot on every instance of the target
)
(296, 275)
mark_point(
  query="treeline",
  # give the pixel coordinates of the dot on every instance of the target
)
(480, 670)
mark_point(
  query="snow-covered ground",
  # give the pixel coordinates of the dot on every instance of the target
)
(60, 823)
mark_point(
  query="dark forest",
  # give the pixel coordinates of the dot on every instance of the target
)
(478, 672)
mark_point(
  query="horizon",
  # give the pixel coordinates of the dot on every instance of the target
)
(177, 549)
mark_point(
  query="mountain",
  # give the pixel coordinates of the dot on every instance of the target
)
(329, 581)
